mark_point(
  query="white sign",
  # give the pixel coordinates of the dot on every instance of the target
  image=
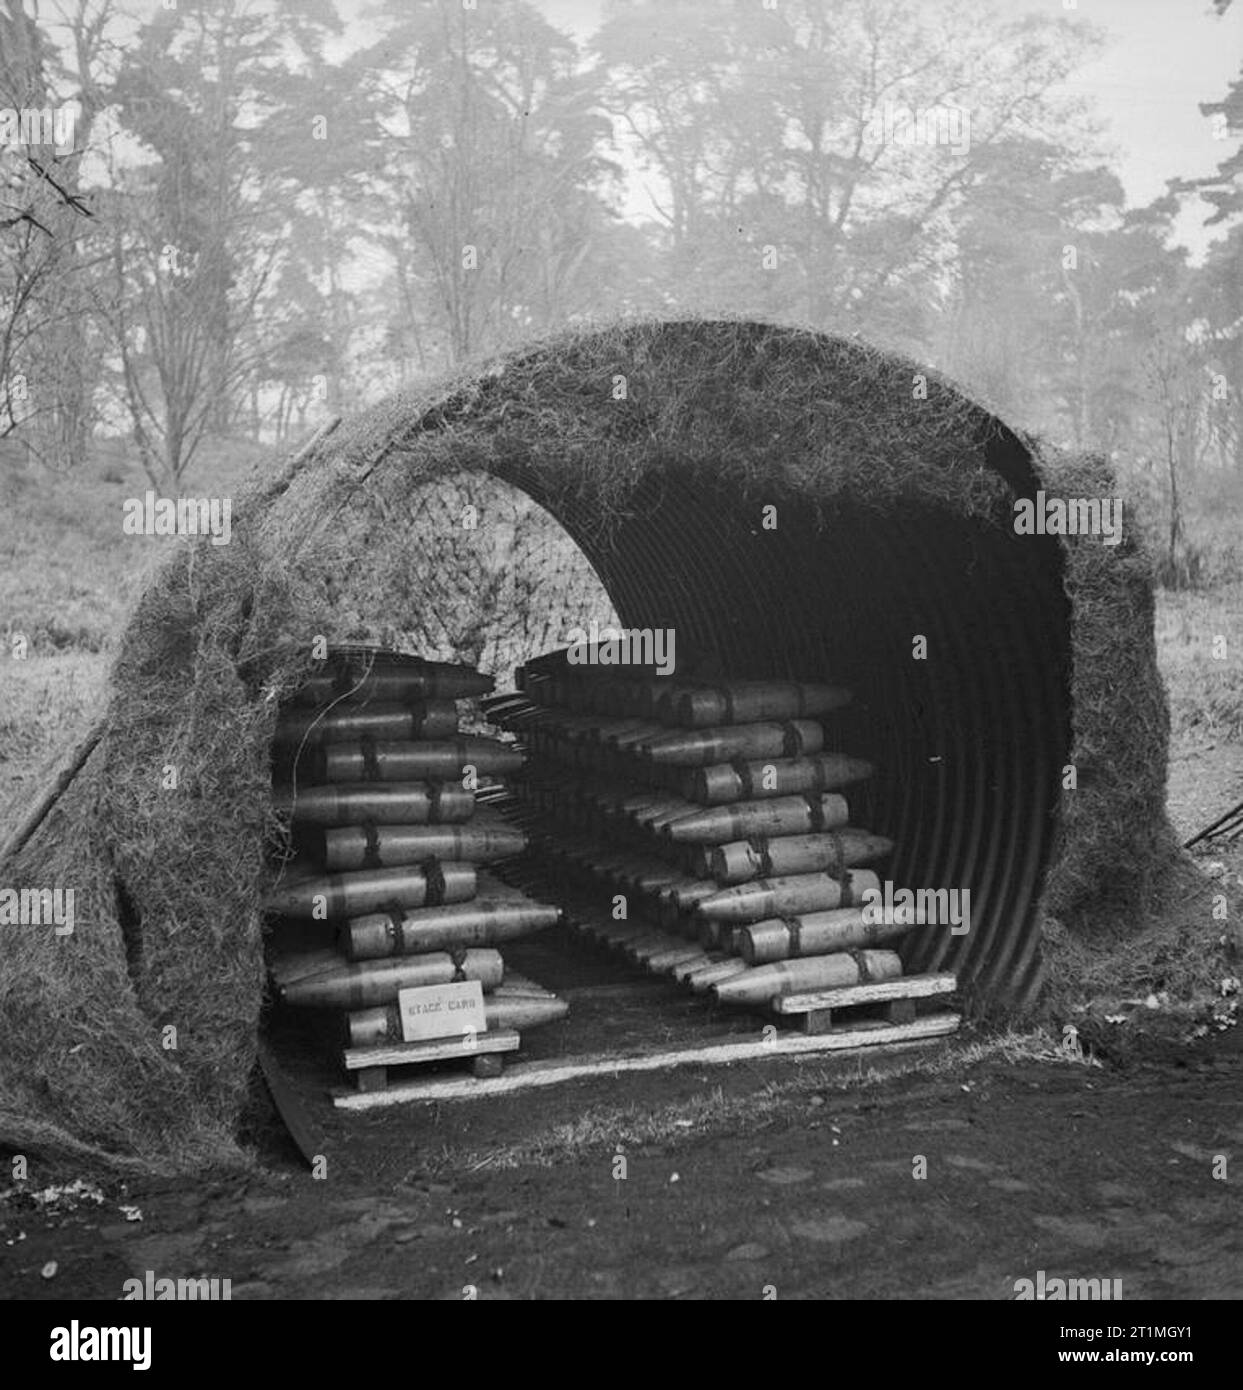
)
(442, 1011)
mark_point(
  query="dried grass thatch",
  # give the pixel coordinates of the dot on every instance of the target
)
(168, 936)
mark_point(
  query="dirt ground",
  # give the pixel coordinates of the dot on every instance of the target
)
(1082, 1171)
(782, 1178)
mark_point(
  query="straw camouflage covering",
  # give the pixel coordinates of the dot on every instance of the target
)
(168, 933)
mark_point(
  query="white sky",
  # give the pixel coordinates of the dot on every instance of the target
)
(1163, 57)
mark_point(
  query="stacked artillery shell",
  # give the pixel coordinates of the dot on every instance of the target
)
(503, 1008)
(362, 677)
(383, 807)
(758, 985)
(396, 803)
(353, 847)
(483, 922)
(782, 897)
(333, 897)
(753, 780)
(371, 983)
(716, 808)
(443, 760)
(814, 934)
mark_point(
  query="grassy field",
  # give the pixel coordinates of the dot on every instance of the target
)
(1205, 687)
(71, 578)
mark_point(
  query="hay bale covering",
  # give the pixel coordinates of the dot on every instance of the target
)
(657, 446)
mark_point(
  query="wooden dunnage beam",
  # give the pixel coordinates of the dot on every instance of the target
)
(532, 1075)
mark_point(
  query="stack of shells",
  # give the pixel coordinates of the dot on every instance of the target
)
(379, 784)
(714, 809)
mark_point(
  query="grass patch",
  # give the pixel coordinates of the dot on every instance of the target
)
(605, 1129)
(1206, 691)
(50, 701)
(70, 573)
(1183, 950)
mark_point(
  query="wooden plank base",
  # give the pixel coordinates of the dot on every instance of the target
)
(888, 1002)
(907, 987)
(433, 1050)
(820, 1021)
(370, 1065)
(532, 1075)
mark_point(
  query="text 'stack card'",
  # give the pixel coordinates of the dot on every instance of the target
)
(442, 1011)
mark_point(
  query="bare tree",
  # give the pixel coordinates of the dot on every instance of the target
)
(48, 361)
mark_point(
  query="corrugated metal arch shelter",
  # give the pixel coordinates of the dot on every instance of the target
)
(971, 737)
(799, 505)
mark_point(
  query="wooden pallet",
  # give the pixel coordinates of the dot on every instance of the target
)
(858, 1007)
(881, 1039)
(370, 1065)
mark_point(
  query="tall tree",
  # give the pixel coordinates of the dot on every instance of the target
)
(48, 351)
(197, 230)
(812, 153)
(486, 146)
(1219, 288)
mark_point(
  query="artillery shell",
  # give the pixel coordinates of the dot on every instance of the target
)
(382, 682)
(784, 897)
(747, 702)
(480, 922)
(784, 815)
(815, 934)
(758, 984)
(373, 982)
(422, 719)
(831, 851)
(744, 781)
(356, 847)
(701, 747)
(350, 895)
(395, 803)
(443, 760)
(368, 1027)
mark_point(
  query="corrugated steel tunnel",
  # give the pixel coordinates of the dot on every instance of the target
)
(970, 745)
(895, 520)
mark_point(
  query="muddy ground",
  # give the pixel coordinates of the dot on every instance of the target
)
(1085, 1172)
(794, 1179)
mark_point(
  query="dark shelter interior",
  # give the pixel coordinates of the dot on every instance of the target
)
(970, 736)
